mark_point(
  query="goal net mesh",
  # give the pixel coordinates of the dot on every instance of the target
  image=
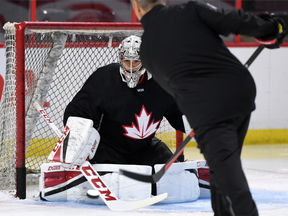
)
(58, 60)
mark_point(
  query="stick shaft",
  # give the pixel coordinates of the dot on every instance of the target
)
(254, 56)
(48, 120)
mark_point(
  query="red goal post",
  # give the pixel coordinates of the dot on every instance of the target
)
(48, 62)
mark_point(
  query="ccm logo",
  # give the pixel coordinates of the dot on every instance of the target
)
(96, 181)
(198, 164)
(54, 167)
(57, 146)
(45, 116)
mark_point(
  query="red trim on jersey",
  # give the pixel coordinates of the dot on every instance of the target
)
(143, 79)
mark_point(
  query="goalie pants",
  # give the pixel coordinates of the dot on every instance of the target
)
(221, 145)
(156, 153)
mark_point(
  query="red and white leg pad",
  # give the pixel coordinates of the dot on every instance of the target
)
(57, 184)
(204, 178)
(181, 184)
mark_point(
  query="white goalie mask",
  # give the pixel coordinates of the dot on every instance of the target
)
(129, 58)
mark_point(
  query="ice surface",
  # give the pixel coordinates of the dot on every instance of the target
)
(267, 177)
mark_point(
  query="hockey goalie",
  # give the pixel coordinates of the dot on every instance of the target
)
(112, 122)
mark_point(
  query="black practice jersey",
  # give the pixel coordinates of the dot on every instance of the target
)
(126, 118)
(182, 48)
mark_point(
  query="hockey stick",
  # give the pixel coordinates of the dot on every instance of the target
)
(254, 56)
(112, 202)
(48, 120)
(155, 177)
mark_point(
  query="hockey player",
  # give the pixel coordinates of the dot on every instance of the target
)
(126, 107)
(182, 49)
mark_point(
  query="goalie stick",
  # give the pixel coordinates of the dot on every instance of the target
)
(156, 177)
(92, 176)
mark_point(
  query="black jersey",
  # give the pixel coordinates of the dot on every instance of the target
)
(182, 48)
(126, 118)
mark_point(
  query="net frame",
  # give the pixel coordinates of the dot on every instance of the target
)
(15, 66)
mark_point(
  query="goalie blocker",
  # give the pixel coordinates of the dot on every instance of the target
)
(186, 181)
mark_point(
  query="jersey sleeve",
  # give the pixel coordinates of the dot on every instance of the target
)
(224, 21)
(86, 103)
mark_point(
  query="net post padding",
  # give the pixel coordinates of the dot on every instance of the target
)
(43, 83)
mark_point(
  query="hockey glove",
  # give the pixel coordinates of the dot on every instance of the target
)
(79, 145)
(274, 40)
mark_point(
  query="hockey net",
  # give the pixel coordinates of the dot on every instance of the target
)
(48, 62)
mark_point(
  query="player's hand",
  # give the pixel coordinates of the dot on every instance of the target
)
(275, 39)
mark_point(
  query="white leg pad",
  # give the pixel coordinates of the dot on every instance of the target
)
(124, 187)
(180, 184)
(57, 184)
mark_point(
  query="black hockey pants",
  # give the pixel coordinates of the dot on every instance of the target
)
(221, 145)
(156, 153)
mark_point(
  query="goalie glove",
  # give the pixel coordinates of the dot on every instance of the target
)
(275, 39)
(78, 143)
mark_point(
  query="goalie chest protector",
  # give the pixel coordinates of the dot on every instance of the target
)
(126, 118)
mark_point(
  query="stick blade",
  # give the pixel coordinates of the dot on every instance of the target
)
(147, 202)
(137, 176)
(143, 178)
(109, 198)
(121, 205)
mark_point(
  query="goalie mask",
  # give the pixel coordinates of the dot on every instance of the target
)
(129, 58)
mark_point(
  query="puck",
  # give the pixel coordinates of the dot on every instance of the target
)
(94, 194)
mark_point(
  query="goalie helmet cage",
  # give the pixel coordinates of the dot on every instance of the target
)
(48, 62)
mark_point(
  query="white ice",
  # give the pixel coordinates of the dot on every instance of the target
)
(266, 168)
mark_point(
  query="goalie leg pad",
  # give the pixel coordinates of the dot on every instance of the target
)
(58, 184)
(122, 186)
(204, 179)
(180, 182)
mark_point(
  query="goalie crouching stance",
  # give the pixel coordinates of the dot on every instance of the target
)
(112, 121)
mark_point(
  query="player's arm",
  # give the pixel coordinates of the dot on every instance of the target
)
(235, 21)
